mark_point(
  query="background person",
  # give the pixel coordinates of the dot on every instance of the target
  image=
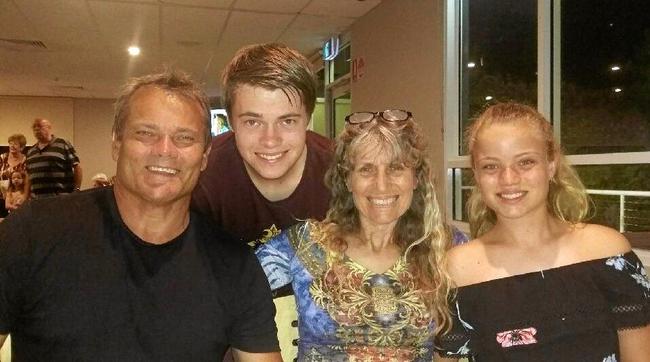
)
(369, 280)
(11, 161)
(16, 194)
(100, 180)
(536, 283)
(127, 273)
(52, 163)
(268, 172)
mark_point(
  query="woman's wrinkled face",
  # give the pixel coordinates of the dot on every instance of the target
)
(382, 189)
(14, 147)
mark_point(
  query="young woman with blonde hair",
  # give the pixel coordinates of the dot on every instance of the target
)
(537, 283)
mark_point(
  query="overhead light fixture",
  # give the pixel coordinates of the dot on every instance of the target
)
(488, 98)
(471, 65)
(134, 51)
(615, 68)
(617, 90)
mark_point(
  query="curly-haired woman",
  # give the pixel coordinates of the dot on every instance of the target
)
(369, 280)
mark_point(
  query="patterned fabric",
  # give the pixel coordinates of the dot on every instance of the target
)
(6, 170)
(50, 169)
(347, 312)
(570, 313)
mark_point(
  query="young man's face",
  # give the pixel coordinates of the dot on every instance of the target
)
(270, 130)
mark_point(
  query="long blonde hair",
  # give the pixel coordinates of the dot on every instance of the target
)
(420, 233)
(567, 198)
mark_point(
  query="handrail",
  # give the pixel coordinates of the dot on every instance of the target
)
(619, 192)
(621, 201)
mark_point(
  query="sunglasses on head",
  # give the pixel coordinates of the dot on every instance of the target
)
(390, 115)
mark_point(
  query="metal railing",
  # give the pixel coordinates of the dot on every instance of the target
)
(623, 195)
(623, 202)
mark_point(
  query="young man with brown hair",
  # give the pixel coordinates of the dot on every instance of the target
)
(267, 174)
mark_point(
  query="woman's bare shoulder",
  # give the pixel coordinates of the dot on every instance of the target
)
(465, 262)
(598, 241)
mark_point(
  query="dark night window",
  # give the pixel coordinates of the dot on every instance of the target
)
(605, 76)
(499, 55)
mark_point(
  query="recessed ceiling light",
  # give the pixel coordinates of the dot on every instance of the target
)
(134, 51)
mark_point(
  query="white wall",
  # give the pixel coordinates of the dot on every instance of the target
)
(86, 123)
(401, 42)
(93, 122)
(17, 115)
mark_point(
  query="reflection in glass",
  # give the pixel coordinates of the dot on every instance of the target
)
(499, 55)
(462, 181)
(342, 63)
(341, 109)
(605, 76)
(620, 194)
(320, 83)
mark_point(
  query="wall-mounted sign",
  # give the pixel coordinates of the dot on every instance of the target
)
(331, 48)
(358, 68)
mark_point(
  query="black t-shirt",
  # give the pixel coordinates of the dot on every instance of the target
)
(76, 284)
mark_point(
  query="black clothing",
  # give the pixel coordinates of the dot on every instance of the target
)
(569, 313)
(77, 284)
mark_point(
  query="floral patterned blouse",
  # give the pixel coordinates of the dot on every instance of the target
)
(345, 311)
(6, 170)
(569, 313)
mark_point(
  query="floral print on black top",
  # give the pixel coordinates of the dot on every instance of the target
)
(569, 313)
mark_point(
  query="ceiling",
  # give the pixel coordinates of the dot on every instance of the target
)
(77, 48)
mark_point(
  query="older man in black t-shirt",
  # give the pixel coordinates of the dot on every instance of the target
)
(127, 273)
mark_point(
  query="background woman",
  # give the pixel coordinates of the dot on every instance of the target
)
(369, 280)
(537, 284)
(16, 194)
(11, 161)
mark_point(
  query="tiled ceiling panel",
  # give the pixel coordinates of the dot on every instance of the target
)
(66, 25)
(13, 25)
(308, 32)
(192, 27)
(274, 6)
(246, 28)
(123, 24)
(219, 4)
(83, 49)
(321, 24)
(344, 8)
